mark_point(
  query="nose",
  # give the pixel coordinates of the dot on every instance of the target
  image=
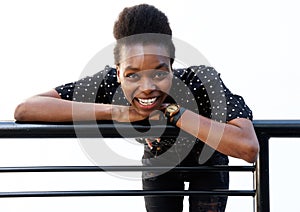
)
(147, 85)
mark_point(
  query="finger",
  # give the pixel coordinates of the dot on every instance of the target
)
(155, 115)
(163, 106)
(135, 116)
(149, 143)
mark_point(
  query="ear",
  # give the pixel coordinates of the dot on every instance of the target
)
(118, 73)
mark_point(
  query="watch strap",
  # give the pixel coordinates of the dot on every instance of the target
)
(174, 119)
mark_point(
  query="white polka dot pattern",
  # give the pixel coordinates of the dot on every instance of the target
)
(213, 98)
(197, 83)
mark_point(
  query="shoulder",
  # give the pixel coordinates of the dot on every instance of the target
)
(90, 88)
(201, 71)
(105, 78)
(197, 75)
(108, 73)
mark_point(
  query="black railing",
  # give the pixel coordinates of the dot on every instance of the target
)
(264, 130)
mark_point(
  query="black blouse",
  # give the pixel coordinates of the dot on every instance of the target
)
(197, 88)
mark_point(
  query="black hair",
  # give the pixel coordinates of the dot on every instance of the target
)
(139, 20)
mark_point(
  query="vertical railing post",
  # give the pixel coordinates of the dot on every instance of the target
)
(262, 175)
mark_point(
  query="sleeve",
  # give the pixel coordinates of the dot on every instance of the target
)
(66, 91)
(236, 107)
(215, 98)
(88, 89)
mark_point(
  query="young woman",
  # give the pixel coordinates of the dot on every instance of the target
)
(144, 82)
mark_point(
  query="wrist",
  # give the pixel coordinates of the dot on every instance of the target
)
(115, 112)
(173, 113)
(174, 119)
(106, 112)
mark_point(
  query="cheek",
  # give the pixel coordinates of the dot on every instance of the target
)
(165, 85)
(127, 89)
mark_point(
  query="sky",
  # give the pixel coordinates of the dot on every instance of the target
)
(253, 44)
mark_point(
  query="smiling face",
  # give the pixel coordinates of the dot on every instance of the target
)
(145, 75)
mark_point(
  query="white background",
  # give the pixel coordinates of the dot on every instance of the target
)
(254, 44)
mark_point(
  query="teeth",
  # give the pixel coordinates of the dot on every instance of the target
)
(147, 101)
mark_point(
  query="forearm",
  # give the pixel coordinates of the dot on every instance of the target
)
(49, 109)
(235, 138)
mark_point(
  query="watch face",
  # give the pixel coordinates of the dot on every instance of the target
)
(172, 109)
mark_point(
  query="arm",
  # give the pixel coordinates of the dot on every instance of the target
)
(235, 138)
(50, 107)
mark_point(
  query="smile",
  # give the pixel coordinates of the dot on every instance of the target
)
(147, 102)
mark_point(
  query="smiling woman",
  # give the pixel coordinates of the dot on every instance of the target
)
(146, 78)
(143, 83)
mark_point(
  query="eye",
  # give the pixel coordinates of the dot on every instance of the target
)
(160, 74)
(132, 76)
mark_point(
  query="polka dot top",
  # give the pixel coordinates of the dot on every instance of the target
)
(197, 88)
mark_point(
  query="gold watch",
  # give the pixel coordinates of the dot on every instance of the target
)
(173, 112)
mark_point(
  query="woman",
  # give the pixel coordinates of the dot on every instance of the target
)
(143, 83)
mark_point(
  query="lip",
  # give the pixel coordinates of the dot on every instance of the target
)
(146, 103)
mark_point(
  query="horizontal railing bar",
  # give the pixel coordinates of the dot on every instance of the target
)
(274, 128)
(125, 193)
(124, 168)
(105, 129)
(278, 128)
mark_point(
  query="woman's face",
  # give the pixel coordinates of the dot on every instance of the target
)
(145, 75)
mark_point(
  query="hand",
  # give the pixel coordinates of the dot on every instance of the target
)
(163, 107)
(157, 114)
(153, 144)
(126, 114)
(129, 114)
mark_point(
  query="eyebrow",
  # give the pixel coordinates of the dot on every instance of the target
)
(137, 69)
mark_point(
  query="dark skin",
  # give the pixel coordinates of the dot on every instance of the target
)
(145, 75)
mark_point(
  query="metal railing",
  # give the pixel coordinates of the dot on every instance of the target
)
(265, 129)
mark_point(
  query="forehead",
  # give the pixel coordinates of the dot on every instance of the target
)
(129, 52)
